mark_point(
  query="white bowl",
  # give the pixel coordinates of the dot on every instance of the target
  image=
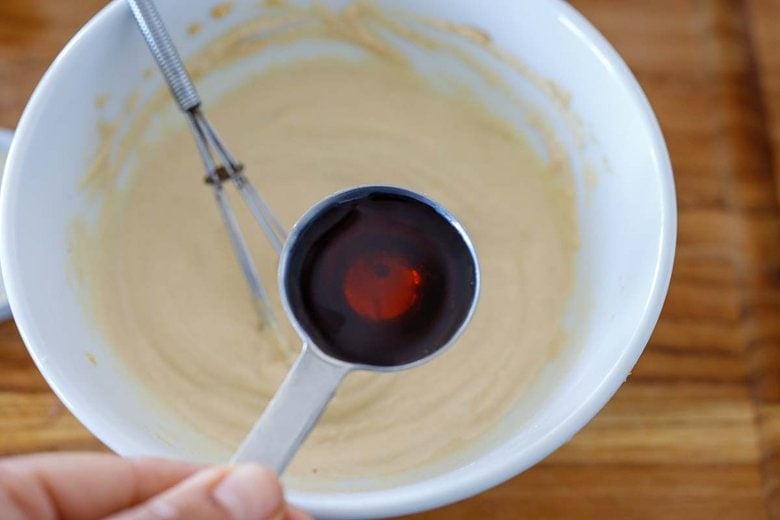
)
(627, 218)
(5, 145)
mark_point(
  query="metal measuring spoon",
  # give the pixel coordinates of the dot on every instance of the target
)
(373, 278)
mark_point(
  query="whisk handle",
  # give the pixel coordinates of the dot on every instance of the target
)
(156, 35)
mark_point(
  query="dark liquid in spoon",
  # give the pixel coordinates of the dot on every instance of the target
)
(382, 279)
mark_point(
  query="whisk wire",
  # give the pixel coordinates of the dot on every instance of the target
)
(219, 163)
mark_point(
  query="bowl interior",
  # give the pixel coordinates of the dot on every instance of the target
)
(625, 205)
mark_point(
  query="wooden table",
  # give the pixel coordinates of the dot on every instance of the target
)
(695, 433)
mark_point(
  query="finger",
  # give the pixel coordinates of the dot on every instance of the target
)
(248, 492)
(83, 486)
(293, 513)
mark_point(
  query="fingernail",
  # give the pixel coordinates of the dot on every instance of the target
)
(250, 492)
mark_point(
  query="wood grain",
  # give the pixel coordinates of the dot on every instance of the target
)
(695, 433)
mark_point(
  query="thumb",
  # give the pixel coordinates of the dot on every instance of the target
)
(248, 492)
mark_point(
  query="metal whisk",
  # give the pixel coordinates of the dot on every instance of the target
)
(220, 164)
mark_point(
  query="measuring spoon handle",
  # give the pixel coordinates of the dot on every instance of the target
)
(293, 411)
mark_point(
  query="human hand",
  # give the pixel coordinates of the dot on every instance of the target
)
(90, 486)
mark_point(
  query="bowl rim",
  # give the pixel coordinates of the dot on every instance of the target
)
(421, 495)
